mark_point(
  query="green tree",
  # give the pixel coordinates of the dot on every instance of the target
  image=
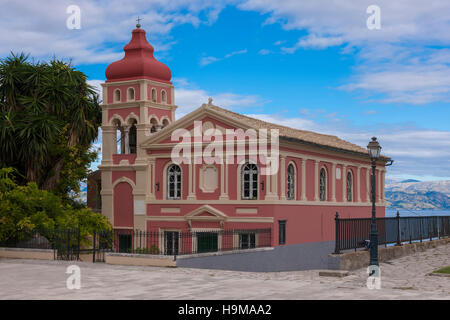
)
(48, 122)
(24, 209)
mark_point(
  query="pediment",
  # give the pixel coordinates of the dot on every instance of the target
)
(162, 138)
(206, 213)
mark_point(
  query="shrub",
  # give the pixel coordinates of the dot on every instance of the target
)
(24, 209)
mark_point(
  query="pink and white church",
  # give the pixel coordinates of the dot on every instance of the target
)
(142, 188)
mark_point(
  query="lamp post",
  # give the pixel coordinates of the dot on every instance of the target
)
(374, 153)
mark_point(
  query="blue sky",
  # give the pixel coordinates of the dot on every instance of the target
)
(312, 65)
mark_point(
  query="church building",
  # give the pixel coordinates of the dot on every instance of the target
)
(143, 187)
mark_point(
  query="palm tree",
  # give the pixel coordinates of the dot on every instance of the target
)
(45, 109)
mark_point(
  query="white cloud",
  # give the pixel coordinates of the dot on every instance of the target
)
(189, 99)
(406, 61)
(264, 52)
(298, 123)
(235, 53)
(208, 60)
(400, 20)
(313, 41)
(39, 27)
(97, 85)
(400, 51)
(416, 151)
(413, 84)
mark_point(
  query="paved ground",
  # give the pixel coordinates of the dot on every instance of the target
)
(404, 278)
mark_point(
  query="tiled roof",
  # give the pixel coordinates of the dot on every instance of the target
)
(302, 135)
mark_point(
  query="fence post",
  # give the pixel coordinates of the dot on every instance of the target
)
(337, 236)
(420, 227)
(54, 244)
(93, 246)
(78, 244)
(439, 227)
(68, 253)
(399, 241)
(430, 232)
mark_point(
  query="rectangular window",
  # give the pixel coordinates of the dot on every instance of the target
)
(282, 232)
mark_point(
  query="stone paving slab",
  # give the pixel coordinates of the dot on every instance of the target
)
(403, 278)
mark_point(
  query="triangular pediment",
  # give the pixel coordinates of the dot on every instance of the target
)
(162, 137)
(207, 213)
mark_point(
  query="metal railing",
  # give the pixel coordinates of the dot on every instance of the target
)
(34, 239)
(64, 242)
(353, 233)
(189, 242)
(69, 244)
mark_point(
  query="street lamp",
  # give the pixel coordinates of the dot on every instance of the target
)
(374, 153)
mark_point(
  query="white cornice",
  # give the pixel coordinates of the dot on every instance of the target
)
(136, 81)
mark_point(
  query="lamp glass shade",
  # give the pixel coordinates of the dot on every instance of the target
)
(374, 149)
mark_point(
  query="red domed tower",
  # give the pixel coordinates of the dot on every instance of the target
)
(138, 63)
(137, 93)
(138, 100)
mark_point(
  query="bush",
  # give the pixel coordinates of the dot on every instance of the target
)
(24, 209)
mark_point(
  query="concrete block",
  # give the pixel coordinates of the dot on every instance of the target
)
(334, 273)
(139, 260)
(21, 253)
(360, 259)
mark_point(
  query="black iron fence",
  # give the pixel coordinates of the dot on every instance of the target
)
(67, 244)
(353, 233)
(34, 239)
(70, 244)
(189, 242)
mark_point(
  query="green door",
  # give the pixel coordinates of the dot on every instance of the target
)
(207, 242)
(125, 243)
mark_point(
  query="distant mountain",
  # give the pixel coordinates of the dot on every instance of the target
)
(424, 186)
(417, 201)
(416, 195)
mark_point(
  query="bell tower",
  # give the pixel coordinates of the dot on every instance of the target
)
(138, 100)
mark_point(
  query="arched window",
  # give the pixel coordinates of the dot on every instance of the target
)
(323, 185)
(117, 95)
(349, 186)
(153, 95)
(130, 93)
(154, 123)
(174, 182)
(165, 123)
(163, 96)
(249, 180)
(132, 137)
(120, 137)
(291, 182)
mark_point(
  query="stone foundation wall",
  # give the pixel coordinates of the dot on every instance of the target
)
(139, 260)
(20, 253)
(360, 259)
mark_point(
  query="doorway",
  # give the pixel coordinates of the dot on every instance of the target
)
(207, 242)
(171, 242)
